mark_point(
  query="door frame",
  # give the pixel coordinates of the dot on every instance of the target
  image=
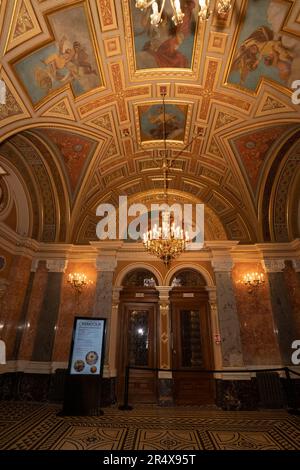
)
(128, 298)
(179, 301)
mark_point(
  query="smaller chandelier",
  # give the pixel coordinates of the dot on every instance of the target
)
(167, 241)
(253, 280)
(178, 15)
(78, 282)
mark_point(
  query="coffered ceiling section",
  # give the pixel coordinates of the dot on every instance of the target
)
(84, 80)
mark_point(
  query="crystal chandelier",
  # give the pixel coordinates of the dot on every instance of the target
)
(166, 241)
(223, 8)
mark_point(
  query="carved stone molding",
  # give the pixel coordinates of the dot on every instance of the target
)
(57, 265)
(116, 295)
(273, 265)
(222, 265)
(296, 265)
(3, 287)
(106, 263)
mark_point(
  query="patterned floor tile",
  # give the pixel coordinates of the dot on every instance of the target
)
(35, 426)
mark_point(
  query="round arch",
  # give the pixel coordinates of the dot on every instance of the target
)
(132, 267)
(200, 269)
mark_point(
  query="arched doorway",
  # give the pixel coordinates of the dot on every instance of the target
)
(138, 310)
(191, 339)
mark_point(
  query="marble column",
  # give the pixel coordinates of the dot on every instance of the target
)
(231, 344)
(105, 265)
(165, 380)
(215, 327)
(281, 306)
(114, 331)
(44, 340)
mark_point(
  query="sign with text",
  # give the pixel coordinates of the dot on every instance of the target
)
(87, 346)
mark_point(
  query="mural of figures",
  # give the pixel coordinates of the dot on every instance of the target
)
(166, 45)
(151, 122)
(263, 49)
(70, 59)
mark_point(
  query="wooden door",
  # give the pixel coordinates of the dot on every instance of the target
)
(191, 351)
(138, 348)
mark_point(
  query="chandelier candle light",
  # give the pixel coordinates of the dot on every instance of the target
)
(223, 8)
(253, 280)
(78, 282)
(166, 241)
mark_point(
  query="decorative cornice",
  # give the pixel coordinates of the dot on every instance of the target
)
(273, 265)
(222, 265)
(56, 265)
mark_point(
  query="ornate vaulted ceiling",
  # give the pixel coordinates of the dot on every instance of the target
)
(82, 122)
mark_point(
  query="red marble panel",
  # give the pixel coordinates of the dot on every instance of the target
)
(292, 279)
(69, 309)
(259, 342)
(34, 309)
(12, 302)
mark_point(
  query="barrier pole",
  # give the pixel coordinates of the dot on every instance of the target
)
(125, 405)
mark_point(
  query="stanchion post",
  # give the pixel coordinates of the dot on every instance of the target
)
(291, 394)
(125, 405)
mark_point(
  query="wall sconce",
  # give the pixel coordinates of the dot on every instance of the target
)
(253, 280)
(78, 282)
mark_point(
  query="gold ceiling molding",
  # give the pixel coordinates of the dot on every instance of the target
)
(3, 4)
(269, 104)
(61, 109)
(103, 122)
(120, 96)
(24, 24)
(107, 13)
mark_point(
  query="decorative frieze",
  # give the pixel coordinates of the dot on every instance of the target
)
(273, 265)
(56, 265)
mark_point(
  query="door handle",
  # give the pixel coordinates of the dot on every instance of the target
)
(174, 351)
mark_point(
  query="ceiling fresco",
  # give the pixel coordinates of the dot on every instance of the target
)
(82, 121)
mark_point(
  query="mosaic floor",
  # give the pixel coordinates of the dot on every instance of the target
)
(33, 426)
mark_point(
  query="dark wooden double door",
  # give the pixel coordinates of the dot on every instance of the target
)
(139, 347)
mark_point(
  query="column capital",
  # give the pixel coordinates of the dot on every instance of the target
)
(164, 292)
(105, 263)
(273, 265)
(222, 265)
(296, 265)
(56, 265)
(116, 294)
(212, 294)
